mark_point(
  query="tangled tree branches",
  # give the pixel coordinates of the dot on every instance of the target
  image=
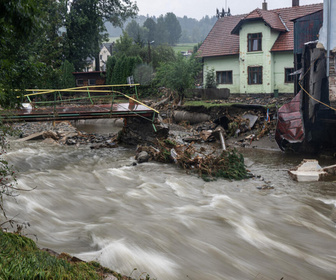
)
(227, 164)
(8, 183)
(7, 178)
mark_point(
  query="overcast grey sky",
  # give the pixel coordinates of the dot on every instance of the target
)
(199, 8)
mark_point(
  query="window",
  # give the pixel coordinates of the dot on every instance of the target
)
(255, 75)
(288, 77)
(224, 77)
(92, 82)
(80, 82)
(254, 42)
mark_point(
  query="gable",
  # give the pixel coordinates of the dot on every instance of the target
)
(271, 19)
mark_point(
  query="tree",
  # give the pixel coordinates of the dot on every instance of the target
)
(47, 41)
(67, 79)
(86, 30)
(173, 28)
(137, 33)
(178, 75)
(150, 24)
(18, 21)
(143, 74)
(125, 46)
(161, 33)
(119, 69)
(162, 54)
(110, 64)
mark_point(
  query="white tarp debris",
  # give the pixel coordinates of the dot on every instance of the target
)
(323, 36)
(308, 171)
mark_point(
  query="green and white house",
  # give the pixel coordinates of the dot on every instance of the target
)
(253, 53)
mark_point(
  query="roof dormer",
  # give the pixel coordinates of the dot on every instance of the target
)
(271, 19)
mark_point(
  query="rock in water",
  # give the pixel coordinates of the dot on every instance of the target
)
(142, 157)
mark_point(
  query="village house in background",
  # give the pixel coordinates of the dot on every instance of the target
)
(106, 50)
(254, 53)
(90, 77)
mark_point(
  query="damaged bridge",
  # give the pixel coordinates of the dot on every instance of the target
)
(91, 102)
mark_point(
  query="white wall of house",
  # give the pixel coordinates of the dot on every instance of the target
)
(103, 55)
(221, 64)
(262, 58)
(282, 61)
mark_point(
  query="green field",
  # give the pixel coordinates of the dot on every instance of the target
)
(184, 47)
(113, 39)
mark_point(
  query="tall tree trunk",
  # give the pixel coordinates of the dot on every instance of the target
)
(97, 56)
(97, 59)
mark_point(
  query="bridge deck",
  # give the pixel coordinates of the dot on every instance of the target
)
(73, 112)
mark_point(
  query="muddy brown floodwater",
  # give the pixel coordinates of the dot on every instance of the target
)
(154, 217)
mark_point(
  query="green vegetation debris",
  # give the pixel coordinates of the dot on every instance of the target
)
(209, 166)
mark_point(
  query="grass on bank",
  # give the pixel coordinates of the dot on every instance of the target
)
(206, 104)
(210, 103)
(21, 259)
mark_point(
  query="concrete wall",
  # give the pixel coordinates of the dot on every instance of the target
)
(282, 60)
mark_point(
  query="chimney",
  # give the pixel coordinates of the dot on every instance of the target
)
(295, 3)
(264, 5)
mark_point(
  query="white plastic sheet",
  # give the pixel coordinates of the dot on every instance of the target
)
(323, 36)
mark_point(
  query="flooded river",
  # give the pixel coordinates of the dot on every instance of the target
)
(154, 217)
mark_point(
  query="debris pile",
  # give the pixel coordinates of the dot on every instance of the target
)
(208, 165)
(63, 133)
(240, 129)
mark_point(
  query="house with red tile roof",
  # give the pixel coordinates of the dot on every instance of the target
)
(253, 53)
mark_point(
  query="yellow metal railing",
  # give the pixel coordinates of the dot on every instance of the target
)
(85, 89)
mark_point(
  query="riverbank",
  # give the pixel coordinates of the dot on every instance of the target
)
(22, 259)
